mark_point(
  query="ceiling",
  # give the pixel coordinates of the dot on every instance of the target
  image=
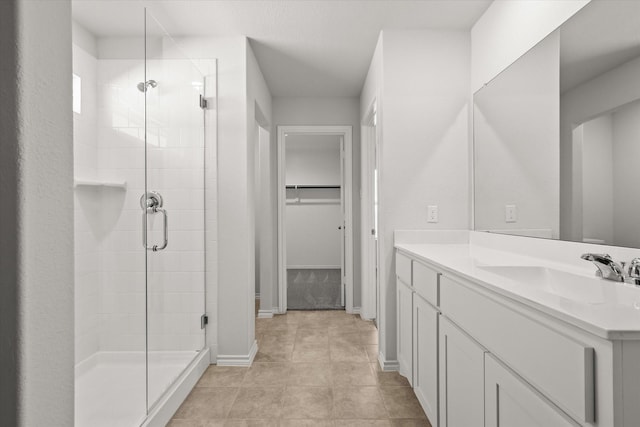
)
(304, 47)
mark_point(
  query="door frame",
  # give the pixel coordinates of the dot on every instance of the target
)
(368, 164)
(347, 185)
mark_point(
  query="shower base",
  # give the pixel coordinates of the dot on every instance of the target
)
(111, 387)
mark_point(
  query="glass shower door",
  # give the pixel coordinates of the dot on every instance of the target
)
(110, 299)
(174, 206)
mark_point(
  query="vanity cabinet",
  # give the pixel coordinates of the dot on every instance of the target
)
(461, 378)
(509, 401)
(475, 357)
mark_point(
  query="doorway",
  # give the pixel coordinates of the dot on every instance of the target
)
(315, 239)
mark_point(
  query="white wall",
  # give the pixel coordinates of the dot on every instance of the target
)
(313, 238)
(626, 175)
(516, 121)
(422, 91)
(312, 160)
(597, 179)
(36, 214)
(258, 120)
(509, 28)
(327, 111)
(373, 84)
(266, 274)
(602, 94)
(230, 293)
(369, 99)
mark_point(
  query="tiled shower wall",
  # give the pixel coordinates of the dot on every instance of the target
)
(87, 204)
(122, 158)
(175, 159)
(176, 169)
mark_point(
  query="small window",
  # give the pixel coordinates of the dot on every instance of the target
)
(77, 94)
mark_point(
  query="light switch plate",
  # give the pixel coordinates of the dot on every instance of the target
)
(432, 213)
(510, 213)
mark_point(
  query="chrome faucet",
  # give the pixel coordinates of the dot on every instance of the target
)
(607, 267)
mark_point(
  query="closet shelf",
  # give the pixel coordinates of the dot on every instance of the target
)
(311, 187)
(77, 183)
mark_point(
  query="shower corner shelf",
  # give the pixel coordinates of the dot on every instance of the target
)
(89, 183)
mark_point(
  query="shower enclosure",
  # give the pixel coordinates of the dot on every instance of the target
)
(139, 144)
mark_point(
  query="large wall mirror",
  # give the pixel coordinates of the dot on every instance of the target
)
(557, 134)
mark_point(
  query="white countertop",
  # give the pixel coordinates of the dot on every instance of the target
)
(604, 308)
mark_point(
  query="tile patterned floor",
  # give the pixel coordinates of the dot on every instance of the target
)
(313, 369)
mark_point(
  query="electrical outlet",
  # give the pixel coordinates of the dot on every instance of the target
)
(510, 213)
(432, 213)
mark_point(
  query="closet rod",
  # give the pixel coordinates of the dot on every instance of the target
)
(313, 187)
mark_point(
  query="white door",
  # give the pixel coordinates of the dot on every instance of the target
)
(374, 244)
(342, 226)
(511, 402)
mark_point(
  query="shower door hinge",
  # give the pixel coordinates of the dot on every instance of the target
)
(204, 104)
(204, 321)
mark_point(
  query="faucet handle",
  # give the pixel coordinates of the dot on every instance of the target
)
(634, 268)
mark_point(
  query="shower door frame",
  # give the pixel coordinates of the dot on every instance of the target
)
(347, 194)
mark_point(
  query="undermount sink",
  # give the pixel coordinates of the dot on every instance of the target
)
(561, 283)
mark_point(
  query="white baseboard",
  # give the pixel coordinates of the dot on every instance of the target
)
(238, 360)
(265, 314)
(388, 365)
(354, 310)
(364, 317)
(162, 412)
(213, 354)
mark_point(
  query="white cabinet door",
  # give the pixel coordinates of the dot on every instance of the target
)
(511, 402)
(461, 378)
(404, 303)
(425, 356)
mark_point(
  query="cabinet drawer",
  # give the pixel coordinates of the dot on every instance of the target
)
(425, 283)
(555, 364)
(403, 268)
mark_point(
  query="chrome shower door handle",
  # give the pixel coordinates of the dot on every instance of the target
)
(151, 203)
(157, 248)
